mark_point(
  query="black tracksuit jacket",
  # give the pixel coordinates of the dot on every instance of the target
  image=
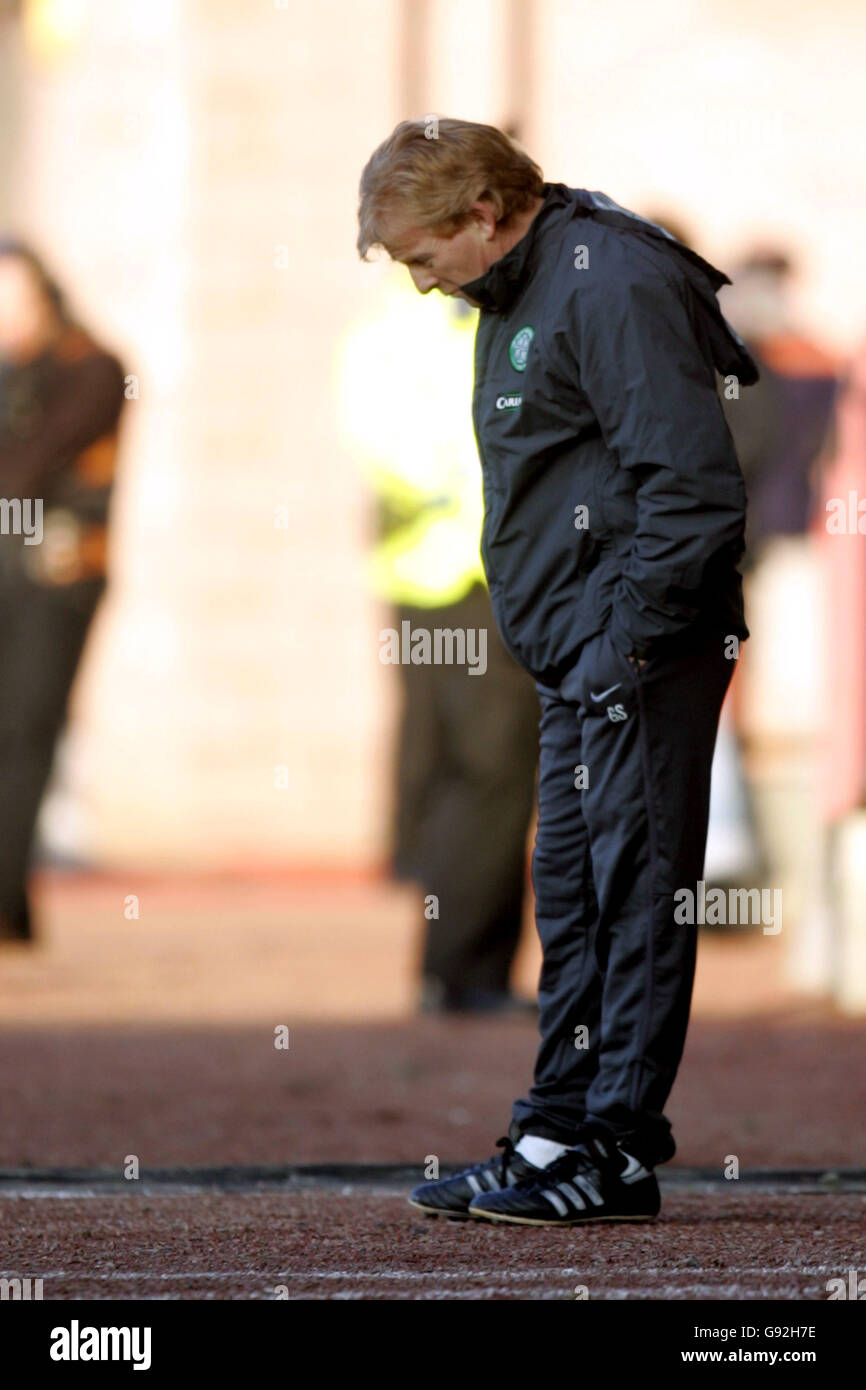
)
(613, 496)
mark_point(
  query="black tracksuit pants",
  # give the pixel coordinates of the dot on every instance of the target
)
(610, 853)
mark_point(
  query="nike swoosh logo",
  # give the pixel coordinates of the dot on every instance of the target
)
(610, 691)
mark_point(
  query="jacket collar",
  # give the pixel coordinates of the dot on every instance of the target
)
(499, 286)
(501, 282)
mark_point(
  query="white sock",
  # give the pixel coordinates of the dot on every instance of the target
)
(540, 1152)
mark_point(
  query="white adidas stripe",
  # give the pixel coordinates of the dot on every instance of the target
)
(556, 1202)
(590, 1190)
(576, 1200)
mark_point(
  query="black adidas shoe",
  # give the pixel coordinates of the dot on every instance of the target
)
(593, 1181)
(451, 1196)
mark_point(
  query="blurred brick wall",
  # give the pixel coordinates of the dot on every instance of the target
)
(190, 166)
(192, 170)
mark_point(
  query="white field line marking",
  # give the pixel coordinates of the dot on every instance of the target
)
(139, 1187)
(400, 1276)
(136, 1189)
(564, 1294)
(63, 1194)
(304, 1186)
(557, 1293)
(452, 1295)
(708, 1291)
(410, 1276)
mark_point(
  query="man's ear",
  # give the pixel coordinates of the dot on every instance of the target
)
(485, 217)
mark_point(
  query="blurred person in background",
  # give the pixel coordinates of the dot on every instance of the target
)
(781, 429)
(464, 777)
(61, 396)
(840, 529)
(839, 919)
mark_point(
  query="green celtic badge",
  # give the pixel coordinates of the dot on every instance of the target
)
(519, 348)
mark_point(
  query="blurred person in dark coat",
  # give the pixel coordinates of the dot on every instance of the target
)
(61, 396)
(781, 428)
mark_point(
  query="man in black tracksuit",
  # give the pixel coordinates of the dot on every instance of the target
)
(614, 523)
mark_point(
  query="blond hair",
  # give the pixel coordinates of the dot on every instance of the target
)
(431, 172)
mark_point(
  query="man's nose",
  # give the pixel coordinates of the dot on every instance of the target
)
(423, 279)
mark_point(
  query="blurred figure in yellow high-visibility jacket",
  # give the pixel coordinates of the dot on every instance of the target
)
(467, 742)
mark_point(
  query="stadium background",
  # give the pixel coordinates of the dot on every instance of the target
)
(190, 171)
